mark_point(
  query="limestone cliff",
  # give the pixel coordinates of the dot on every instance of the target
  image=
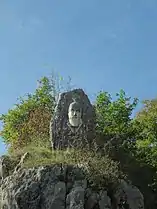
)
(62, 187)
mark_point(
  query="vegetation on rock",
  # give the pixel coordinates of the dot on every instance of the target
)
(129, 144)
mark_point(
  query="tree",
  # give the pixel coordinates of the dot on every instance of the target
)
(29, 118)
(114, 117)
(135, 139)
(115, 126)
(146, 129)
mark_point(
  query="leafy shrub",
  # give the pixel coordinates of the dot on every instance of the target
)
(130, 142)
(100, 170)
(30, 118)
(114, 116)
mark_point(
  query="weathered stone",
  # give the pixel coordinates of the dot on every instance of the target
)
(75, 177)
(73, 122)
(53, 196)
(129, 195)
(75, 199)
(4, 171)
(6, 166)
(34, 188)
(23, 158)
(105, 201)
(92, 199)
(46, 187)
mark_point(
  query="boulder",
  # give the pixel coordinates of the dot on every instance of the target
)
(73, 121)
(47, 187)
(129, 196)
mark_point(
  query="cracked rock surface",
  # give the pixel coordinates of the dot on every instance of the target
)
(55, 187)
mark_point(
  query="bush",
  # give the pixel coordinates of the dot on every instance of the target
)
(30, 118)
(114, 116)
(100, 170)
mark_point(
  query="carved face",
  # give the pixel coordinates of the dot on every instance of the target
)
(75, 114)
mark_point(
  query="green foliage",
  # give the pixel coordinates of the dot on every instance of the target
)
(145, 128)
(100, 170)
(146, 120)
(130, 143)
(146, 132)
(30, 118)
(128, 140)
(114, 117)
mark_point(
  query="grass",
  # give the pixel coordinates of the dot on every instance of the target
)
(99, 169)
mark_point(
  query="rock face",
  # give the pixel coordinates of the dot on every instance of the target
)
(73, 123)
(49, 187)
(9, 166)
(4, 171)
(56, 187)
(6, 166)
(129, 195)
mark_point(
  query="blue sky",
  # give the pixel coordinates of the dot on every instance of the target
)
(101, 44)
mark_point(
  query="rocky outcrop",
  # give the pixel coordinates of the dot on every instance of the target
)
(7, 166)
(59, 187)
(129, 195)
(73, 121)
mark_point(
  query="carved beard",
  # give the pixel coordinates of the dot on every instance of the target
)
(75, 121)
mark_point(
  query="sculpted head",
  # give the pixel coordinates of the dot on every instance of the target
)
(75, 114)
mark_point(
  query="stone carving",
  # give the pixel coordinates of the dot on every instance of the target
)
(75, 115)
(73, 122)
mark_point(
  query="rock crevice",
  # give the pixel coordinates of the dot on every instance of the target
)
(61, 187)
